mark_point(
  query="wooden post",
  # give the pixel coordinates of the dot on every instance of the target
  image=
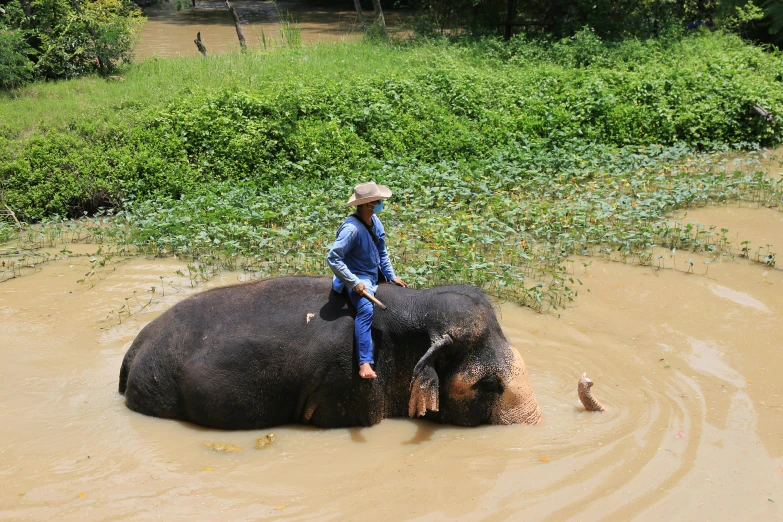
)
(379, 17)
(510, 15)
(200, 44)
(236, 23)
(362, 19)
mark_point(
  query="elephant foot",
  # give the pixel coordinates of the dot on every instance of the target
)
(366, 371)
(588, 401)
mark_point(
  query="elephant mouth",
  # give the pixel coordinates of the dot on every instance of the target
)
(522, 414)
(517, 404)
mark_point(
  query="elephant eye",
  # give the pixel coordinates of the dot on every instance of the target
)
(489, 383)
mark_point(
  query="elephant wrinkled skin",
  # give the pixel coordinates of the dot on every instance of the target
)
(281, 351)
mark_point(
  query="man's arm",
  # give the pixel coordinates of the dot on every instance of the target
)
(344, 243)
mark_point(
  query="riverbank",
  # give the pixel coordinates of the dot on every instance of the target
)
(505, 159)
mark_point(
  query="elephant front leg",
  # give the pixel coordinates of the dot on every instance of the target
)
(328, 407)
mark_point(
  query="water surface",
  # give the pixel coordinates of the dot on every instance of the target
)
(171, 32)
(690, 377)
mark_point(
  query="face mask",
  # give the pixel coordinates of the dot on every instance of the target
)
(378, 207)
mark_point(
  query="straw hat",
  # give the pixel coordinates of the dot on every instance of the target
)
(366, 192)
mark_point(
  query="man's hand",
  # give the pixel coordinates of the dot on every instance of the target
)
(399, 282)
(359, 288)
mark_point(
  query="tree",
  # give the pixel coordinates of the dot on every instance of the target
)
(773, 9)
(379, 20)
(16, 67)
(50, 39)
(357, 4)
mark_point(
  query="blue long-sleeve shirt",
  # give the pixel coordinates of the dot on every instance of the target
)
(356, 257)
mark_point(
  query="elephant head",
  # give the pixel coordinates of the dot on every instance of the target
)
(470, 374)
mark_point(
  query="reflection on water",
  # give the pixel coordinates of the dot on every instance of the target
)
(706, 358)
(169, 32)
(738, 297)
(690, 379)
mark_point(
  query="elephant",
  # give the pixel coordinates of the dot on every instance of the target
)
(281, 351)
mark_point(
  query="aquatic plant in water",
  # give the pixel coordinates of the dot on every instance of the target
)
(507, 223)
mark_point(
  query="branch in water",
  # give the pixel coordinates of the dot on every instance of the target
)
(238, 26)
(11, 213)
(201, 48)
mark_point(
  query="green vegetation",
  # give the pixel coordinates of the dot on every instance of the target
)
(504, 158)
(433, 103)
(612, 19)
(49, 39)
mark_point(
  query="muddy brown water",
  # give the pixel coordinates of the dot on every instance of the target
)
(170, 32)
(687, 365)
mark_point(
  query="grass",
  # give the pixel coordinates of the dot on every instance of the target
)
(158, 81)
(508, 230)
(505, 159)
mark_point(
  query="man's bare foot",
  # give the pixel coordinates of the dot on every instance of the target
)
(366, 371)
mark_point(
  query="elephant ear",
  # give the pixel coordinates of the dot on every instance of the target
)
(424, 382)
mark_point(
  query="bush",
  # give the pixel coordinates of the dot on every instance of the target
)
(16, 68)
(463, 103)
(56, 40)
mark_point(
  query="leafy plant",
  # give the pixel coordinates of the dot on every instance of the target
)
(16, 66)
(505, 160)
(65, 39)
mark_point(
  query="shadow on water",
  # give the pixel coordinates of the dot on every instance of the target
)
(424, 431)
(357, 435)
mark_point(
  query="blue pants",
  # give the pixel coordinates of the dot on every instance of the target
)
(362, 324)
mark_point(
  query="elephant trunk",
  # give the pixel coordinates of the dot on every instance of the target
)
(517, 404)
(583, 390)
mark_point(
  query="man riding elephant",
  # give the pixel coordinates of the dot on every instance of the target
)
(273, 352)
(356, 258)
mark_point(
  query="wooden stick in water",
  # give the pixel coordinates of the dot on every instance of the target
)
(201, 48)
(238, 26)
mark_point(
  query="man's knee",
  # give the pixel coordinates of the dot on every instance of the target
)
(364, 308)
